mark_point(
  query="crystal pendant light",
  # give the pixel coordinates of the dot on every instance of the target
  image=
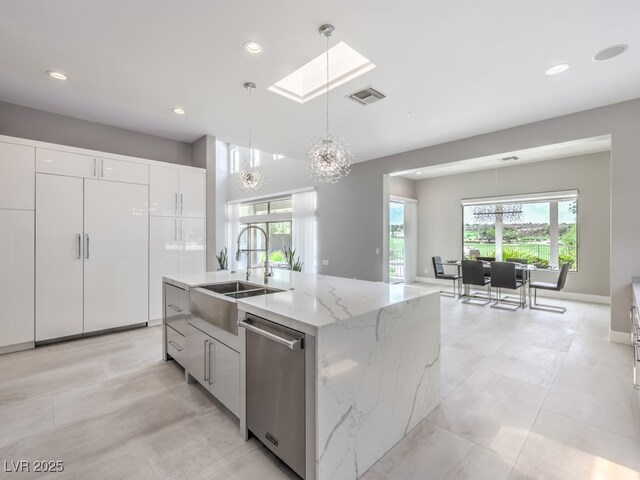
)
(250, 179)
(328, 158)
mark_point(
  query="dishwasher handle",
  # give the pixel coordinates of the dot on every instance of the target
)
(292, 344)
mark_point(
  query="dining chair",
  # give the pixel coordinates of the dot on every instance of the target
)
(504, 275)
(487, 270)
(524, 261)
(438, 269)
(556, 287)
(473, 275)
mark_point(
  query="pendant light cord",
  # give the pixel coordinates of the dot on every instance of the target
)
(250, 127)
(327, 85)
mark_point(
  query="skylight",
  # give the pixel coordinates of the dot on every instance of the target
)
(309, 81)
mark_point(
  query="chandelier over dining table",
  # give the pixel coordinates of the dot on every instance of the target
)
(505, 212)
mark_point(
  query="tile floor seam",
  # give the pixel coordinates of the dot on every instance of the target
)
(538, 414)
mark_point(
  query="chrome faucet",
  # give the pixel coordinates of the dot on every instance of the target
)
(248, 251)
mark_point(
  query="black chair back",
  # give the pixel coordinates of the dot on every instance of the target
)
(503, 275)
(562, 278)
(524, 261)
(437, 266)
(486, 259)
(473, 272)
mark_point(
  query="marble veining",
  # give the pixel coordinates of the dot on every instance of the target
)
(378, 377)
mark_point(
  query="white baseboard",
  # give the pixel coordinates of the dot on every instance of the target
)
(153, 323)
(563, 295)
(619, 337)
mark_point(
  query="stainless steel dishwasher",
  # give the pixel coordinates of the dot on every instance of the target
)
(276, 389)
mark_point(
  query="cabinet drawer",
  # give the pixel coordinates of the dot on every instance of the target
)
(176, 346)
(65, 163)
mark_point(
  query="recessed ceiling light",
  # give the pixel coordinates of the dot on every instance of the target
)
(252, 47)
(179, 111)
(57, 75)
(556, 69)
(418, 173)
(610, 52)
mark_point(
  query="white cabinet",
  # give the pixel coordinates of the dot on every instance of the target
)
(116, 265)
(65, 163)
(164, 259)
(17, 277)
(120, 171)
(177, 205)
(215, 366)
(177, 192)
(59, 256)
(163, 191)
(176, 245)
(76, 165)
(17, 168)
(91, 255)
(192, 194)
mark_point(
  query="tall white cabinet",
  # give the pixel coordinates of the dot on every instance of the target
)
(92, 247)
(177, 205)
(85, 238)
(17, 163)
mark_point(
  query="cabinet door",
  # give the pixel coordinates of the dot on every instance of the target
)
(193, 196)
(116, 265)
(225, 376)
(198, 350)
(17, 176)
(65, 163)
(192, 245)
(163, 191)
(164, 259)
(17, 280)
(121, 171)
(58, 256)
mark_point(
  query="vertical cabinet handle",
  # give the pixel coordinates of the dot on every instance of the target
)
(206, 360)
(86, 246)
(102, 168)
(176, 203)
(95, 168)
(212, 379)
(181, 204)
(79, 244)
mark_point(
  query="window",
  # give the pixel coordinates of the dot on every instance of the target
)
(235, 159)
(275, 218)
(545, 233)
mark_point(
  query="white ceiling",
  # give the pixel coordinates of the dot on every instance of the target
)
(538, 154)
(464, 68)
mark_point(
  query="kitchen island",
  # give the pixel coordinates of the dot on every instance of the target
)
(372, 355)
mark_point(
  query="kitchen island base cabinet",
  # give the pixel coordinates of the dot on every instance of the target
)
(215, 366)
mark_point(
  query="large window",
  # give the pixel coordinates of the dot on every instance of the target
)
(274, 217)
(541, 228)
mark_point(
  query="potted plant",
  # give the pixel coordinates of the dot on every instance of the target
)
(294, 263)
(222, 259)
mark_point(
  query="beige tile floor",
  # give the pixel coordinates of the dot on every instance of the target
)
(526, 395)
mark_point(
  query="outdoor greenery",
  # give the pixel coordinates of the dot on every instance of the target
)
(277, 257)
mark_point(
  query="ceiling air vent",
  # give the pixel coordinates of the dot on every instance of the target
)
(366, 96)
(509, 159)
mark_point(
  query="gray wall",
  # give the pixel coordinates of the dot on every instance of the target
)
(24, 122)
(402, 187)
(350, 213)
(440, 212)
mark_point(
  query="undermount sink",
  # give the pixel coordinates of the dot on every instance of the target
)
(216, 304)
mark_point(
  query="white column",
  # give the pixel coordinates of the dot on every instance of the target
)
(499, 231)
(553, 231)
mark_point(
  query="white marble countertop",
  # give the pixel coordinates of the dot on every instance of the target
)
(310, 301)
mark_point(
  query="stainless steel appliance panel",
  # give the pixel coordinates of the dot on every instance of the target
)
(276, 389)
